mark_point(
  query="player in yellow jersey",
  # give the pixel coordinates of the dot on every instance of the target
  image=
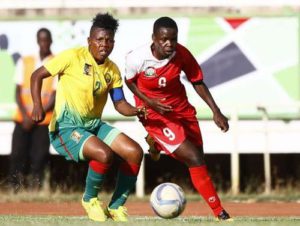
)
(86, 77)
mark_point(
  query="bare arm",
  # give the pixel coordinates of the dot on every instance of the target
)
(51, 102)
(220, 120)
(155, 104)
(36, 82)
(126, 109)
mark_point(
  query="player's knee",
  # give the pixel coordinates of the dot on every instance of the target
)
(140, 154)
(136, 153)
(106, 157)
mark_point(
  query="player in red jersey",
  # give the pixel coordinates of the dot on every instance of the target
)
(153, 75)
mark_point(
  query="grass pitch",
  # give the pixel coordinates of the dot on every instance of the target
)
(6, 220)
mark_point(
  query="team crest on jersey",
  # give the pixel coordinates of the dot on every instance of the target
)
(150, 72)
(76, 136)
(87, 69)
(107, 77)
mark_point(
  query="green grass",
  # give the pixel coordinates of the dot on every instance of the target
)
(145, 221)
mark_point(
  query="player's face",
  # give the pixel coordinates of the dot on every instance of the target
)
(44, 42)
(164, 42)
(101, 43)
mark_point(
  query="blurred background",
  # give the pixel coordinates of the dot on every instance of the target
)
(249, 52)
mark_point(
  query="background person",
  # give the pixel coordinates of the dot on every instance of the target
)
(30, 142)
(77, 132)
(153, 75)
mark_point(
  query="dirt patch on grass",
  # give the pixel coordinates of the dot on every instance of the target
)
(142, 208)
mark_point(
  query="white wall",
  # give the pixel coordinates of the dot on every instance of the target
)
(243, 136)
(32, 4)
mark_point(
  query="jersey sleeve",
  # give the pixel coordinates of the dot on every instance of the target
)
(117, 79)
(60, 62)
(190, 67)
(131, 68)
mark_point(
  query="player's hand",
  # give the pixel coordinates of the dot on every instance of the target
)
(221, 121)
(142, 112)
(38, 114)
(158, 106)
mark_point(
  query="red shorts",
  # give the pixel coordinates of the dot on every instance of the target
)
(169, 133)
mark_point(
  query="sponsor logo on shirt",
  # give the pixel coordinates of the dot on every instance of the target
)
(107, 77)
(76, 136)
(150, 72)
(87, 69)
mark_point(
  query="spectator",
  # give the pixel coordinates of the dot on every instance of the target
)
(30, 142)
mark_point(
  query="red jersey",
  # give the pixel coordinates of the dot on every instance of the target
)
(161, 78)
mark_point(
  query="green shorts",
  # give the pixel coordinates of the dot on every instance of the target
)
(69, 142)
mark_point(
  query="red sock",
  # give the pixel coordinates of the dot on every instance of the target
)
(99, 167)
(129, 169)
(205, 187)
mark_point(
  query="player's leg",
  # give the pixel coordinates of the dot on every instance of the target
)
(191, 153)
(154, 148)
(100, 156)
(79, 144)
(131, 154)
(39, 155)
(182, 140)
(192, 156)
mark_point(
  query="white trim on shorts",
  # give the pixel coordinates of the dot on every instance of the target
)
(169, 147)
(110, 137)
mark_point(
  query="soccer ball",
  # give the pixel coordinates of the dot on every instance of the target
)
(168, 200)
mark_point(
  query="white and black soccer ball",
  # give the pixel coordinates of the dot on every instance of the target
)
(168, 200)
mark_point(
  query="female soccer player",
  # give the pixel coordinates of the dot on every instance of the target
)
(153, 75)
(86, 76)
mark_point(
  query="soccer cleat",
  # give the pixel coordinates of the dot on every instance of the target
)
(119, 214)
(94, 210)
(224, 216)
(154, 153)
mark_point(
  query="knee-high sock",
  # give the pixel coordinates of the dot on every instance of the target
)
(94, 179)
(125, 182)
(203, 184)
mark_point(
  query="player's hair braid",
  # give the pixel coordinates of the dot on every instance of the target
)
(164, 22)
(106, 21)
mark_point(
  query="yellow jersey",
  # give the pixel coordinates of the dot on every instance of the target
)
(82, 89)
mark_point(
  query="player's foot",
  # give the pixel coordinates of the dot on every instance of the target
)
(94, 210)
(154, 153)
(224, 216)
(119, 214)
